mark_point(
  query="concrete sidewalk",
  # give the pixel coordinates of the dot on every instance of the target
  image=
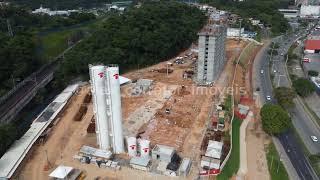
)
(243, 167)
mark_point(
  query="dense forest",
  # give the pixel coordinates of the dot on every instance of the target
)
(61, 4)
(139, 37)
(264, 10)
(18, 57)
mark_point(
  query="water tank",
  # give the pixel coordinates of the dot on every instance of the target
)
(144, 147)
(132, 146)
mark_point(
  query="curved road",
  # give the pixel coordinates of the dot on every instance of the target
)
(263, 81)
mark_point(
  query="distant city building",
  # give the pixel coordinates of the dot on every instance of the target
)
(254, 21)
(234, 32)
(211, 57)
(47, 11)
(289, 13)
(309, 11)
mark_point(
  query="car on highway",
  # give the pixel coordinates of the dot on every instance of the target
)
(307, 60)
(268, 98)
(261, 71)
(314, 138)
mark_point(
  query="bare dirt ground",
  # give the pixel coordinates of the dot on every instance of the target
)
(183, 128)
(257, 141)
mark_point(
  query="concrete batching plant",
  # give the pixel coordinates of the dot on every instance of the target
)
(105, 87)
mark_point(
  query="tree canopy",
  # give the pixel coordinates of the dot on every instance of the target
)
(139, 37)
(19, 54)
(303, 87)
(7, 136)
(313, 73)
(284, 96)
(17, 59)
(274, 119)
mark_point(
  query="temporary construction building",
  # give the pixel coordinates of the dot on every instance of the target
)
(163, 153)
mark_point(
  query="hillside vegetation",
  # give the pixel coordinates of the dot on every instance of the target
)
(20, 54)
(139, 37)
(264, 10)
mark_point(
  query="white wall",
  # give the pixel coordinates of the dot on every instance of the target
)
(310, 11)
(233, 32)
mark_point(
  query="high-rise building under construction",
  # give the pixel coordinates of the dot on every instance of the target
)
(211, 57)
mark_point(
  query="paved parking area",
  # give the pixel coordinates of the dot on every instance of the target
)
(314, 63)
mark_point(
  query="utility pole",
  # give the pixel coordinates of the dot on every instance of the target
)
(9, 28)
(47, 158)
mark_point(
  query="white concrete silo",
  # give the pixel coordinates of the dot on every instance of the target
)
(132, 146)
(116, 114)
(98, 79)
(144, 147)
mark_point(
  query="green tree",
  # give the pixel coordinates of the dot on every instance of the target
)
(139, 37)
(313, 73)
(303, 87)
(284, 96)
(275, 120)
(7, 137)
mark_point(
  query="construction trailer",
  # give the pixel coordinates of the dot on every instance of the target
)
(94, 152)
(163, 153)
(185, 167)
(141, 163)
(208, 163)
(214, 149)
(65, 173)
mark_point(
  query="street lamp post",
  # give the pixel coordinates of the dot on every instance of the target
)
(239, 30)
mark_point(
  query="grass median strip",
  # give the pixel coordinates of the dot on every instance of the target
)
(232, 164)
(276, 168)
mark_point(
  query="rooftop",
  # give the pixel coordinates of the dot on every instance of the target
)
(212, 30)
(95, 152)
(10, 161)
(214, 149)
(312, 44)
(162, 149)
(141, 161)
(61, 172)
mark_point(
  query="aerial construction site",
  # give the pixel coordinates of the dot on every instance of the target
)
(170, 109)
(163, 120)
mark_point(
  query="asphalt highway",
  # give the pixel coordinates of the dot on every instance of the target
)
(276, 65)
(301, 119)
